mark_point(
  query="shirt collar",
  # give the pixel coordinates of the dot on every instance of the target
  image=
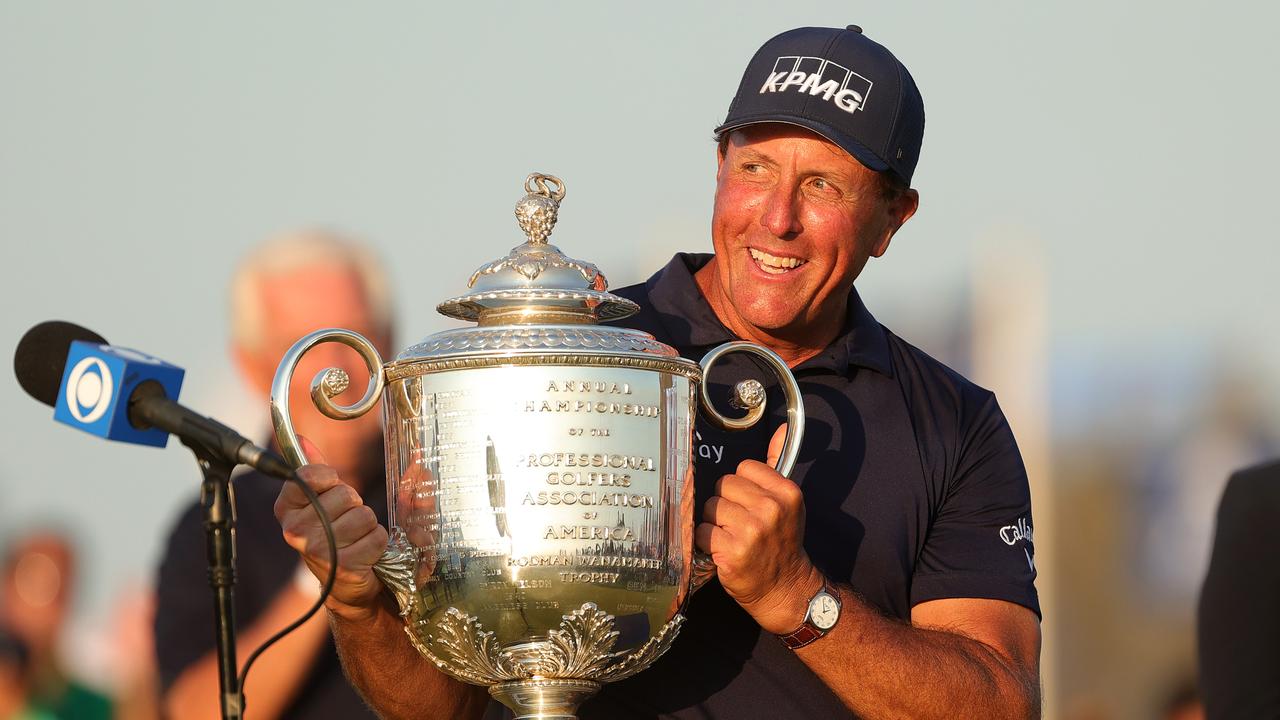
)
(691, 323)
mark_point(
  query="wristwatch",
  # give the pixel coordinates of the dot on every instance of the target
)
(822, 615)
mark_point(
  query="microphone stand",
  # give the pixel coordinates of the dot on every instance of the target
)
(218, 450)
(218, 505)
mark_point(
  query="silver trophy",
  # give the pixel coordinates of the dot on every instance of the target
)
(539, 474)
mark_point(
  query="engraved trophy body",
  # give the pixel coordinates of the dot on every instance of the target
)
(539, 474)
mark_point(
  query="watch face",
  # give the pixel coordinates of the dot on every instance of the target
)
(824, 611)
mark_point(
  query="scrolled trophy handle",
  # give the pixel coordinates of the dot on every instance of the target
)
(749, 395)
(327, 384)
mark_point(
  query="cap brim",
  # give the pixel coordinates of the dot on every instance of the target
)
(859, 151)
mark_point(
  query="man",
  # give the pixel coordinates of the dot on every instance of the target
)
(37, 587)
(1239, 634)
(893, 576)
(287, 288)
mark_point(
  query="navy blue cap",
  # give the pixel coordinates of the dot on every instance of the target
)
(840, 84)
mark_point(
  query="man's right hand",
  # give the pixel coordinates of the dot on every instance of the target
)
(359, 537)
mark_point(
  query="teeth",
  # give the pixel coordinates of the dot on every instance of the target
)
(775, 265)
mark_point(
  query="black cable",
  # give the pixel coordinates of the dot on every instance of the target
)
(324, 590)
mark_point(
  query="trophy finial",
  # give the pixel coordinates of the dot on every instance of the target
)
(535, 283)
(536, 211)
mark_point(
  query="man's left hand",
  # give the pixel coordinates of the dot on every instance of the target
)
(754, 530)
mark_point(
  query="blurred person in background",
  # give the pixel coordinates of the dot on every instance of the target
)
(133, 661)
(1238, 626)
(285, 289)
(37, 582)
(15, 680)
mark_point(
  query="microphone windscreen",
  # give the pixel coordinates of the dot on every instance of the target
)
(41, 357)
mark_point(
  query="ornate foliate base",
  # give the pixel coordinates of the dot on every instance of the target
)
(550, 676)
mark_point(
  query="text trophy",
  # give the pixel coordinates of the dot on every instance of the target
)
(539, 474)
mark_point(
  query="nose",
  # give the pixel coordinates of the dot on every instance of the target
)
(781, 217)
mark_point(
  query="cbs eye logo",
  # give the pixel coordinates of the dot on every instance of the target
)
(89, 388)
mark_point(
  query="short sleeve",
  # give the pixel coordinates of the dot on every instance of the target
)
(980, 544)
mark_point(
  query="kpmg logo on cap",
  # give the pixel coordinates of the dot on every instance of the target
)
(817, 76)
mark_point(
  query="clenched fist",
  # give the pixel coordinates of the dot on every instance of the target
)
(754, 530)
(359, 537)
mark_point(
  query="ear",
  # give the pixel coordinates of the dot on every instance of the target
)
(899, 211)
(719, 159)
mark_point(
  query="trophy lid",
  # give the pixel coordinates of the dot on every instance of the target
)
(536, 283)
(536, 300)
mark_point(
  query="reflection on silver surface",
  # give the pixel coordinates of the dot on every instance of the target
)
(532, 490)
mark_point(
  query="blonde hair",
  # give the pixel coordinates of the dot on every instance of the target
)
(291, 252)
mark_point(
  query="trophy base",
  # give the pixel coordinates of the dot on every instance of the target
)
(544, 698)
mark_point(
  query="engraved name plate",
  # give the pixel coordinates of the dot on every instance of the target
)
(523, 483)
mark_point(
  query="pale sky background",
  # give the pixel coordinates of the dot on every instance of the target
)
(145, 146)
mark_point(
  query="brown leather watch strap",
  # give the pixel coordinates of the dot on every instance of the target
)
(800, 637)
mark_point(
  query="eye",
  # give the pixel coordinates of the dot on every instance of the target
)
(824, 186)
(753, 167)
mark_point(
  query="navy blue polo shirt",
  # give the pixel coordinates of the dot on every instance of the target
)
(914, 491)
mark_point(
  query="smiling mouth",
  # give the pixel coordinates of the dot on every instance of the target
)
(773, 264)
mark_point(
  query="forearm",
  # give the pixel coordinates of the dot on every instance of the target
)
(882, 668)
(393, 677)
(276, 675)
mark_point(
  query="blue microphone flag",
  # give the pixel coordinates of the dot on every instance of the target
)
(97, 383)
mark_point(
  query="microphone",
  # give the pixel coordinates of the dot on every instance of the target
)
(123, 395)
